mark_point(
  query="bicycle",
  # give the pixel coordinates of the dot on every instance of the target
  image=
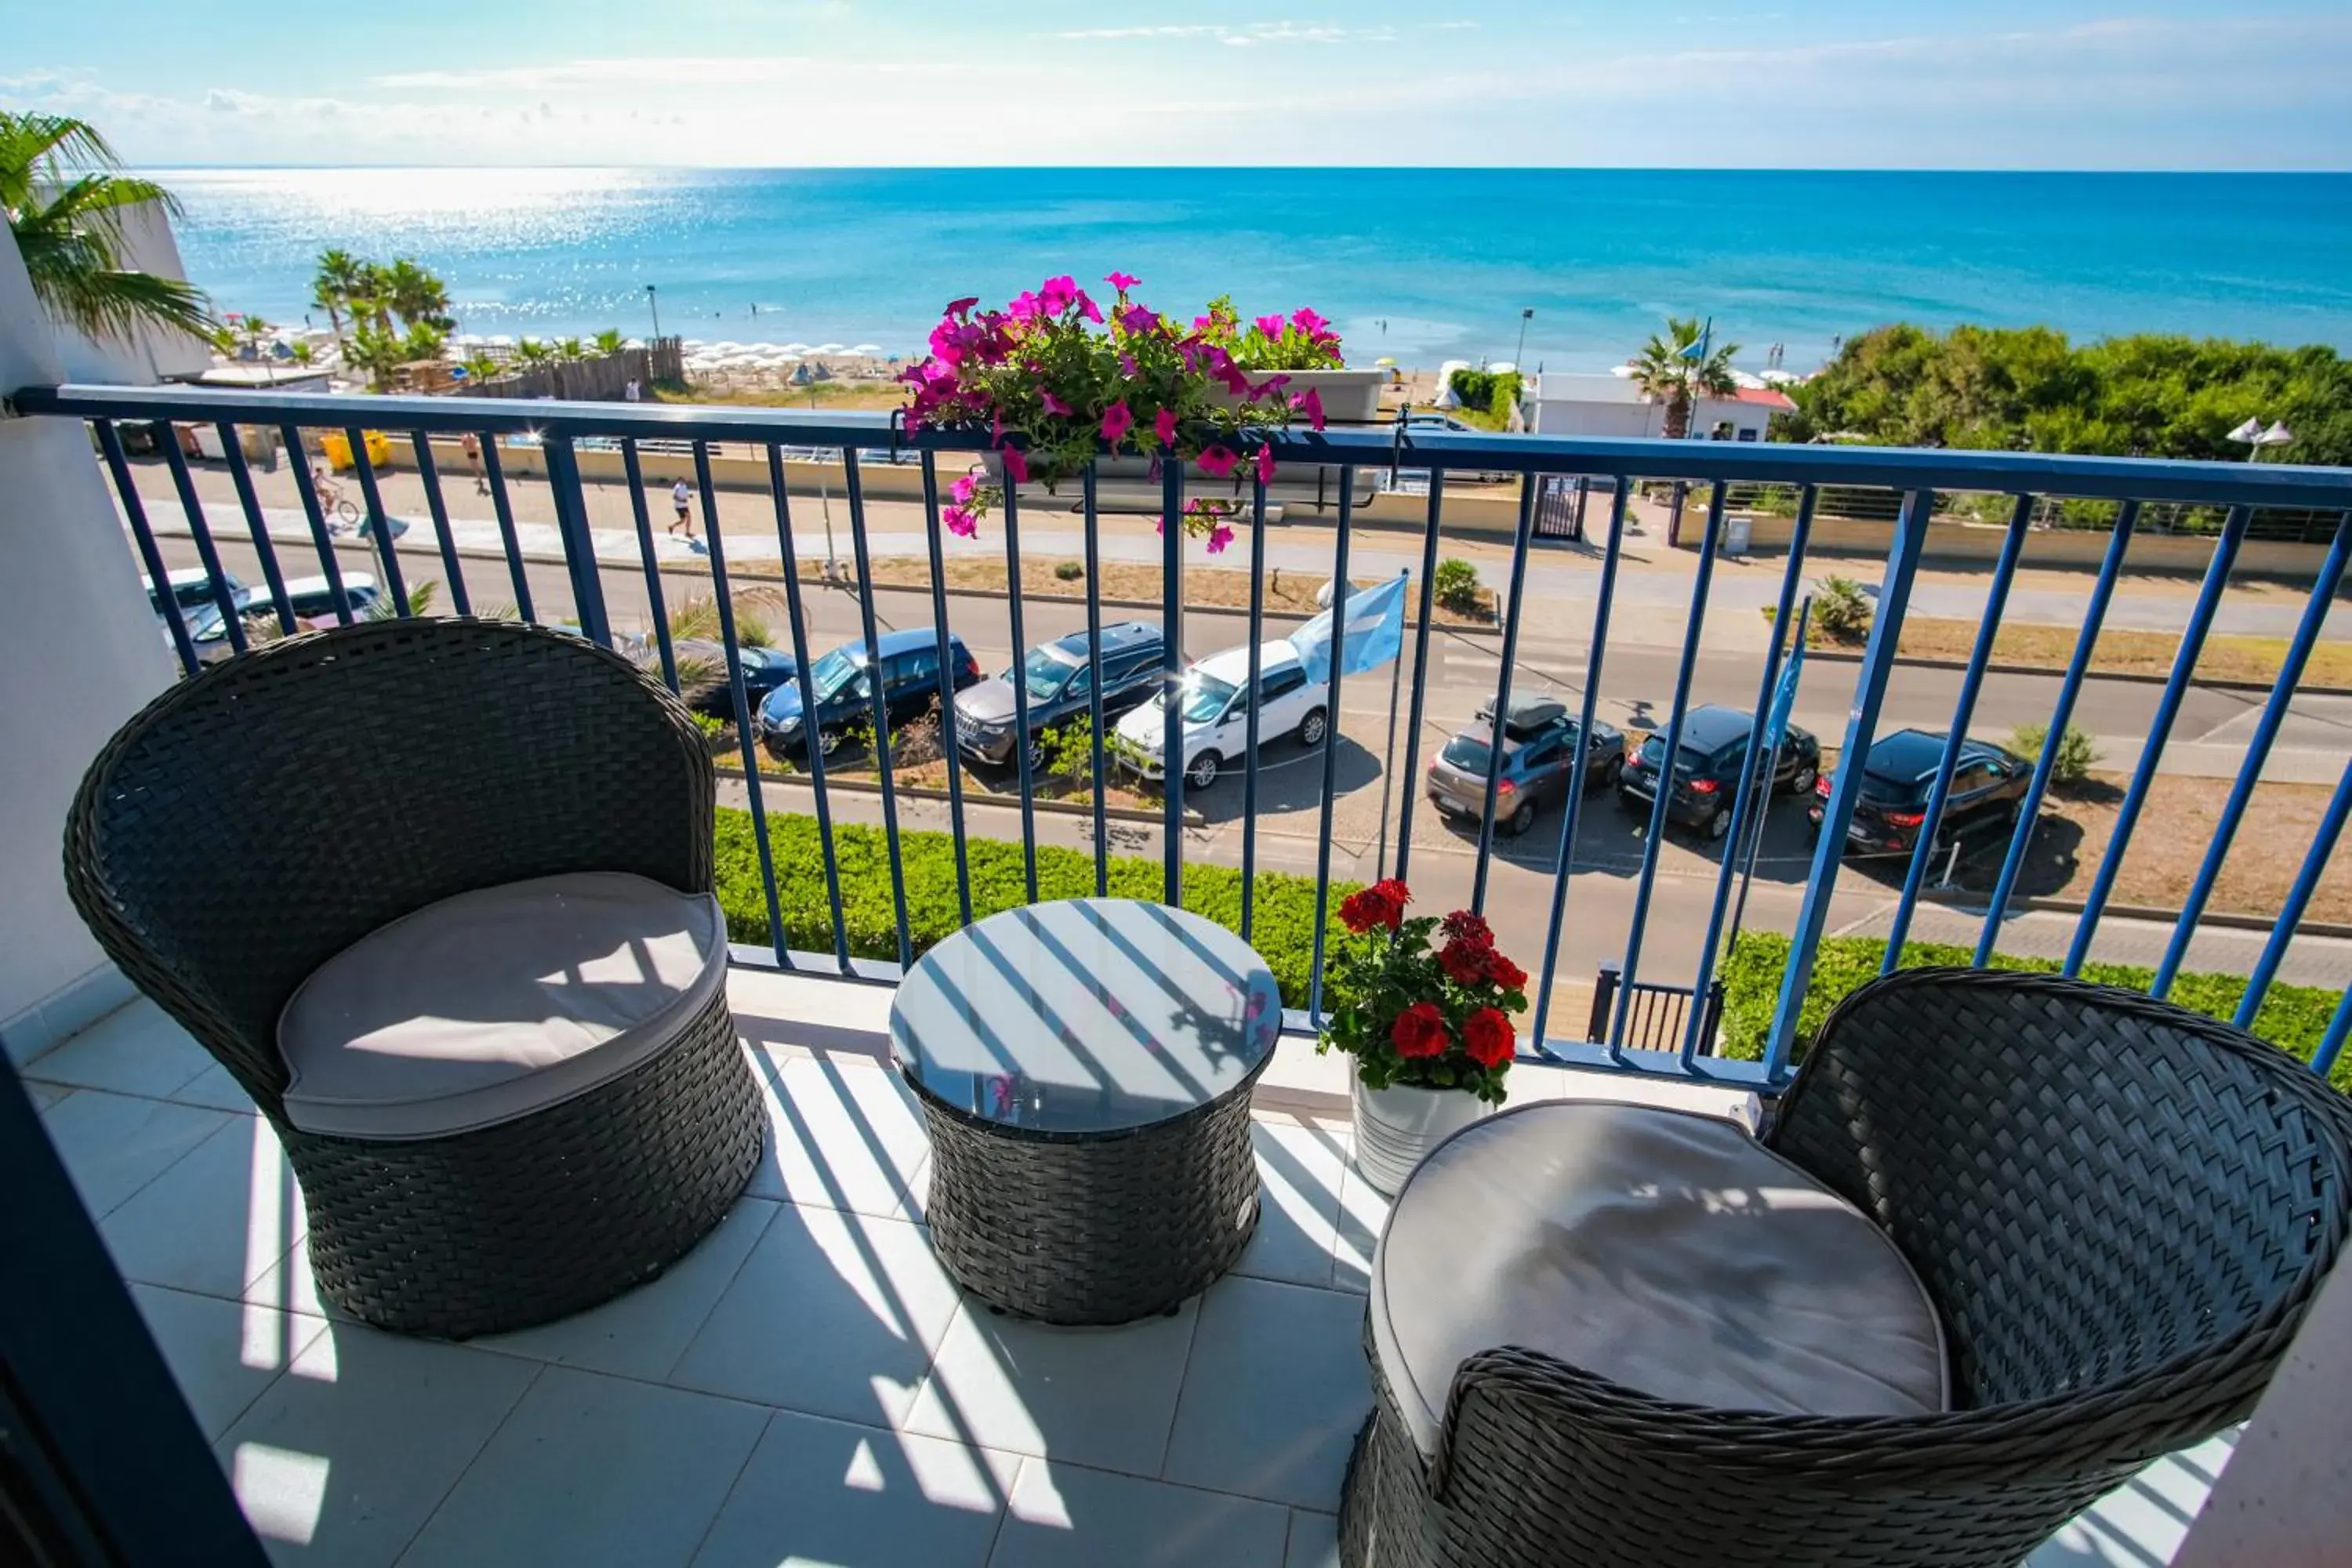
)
(335, 506)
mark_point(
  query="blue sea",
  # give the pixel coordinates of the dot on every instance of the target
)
(1420, 264)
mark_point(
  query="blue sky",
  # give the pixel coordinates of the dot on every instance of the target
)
(1808, 83)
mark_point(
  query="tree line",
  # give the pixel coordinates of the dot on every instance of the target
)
(2030, 389)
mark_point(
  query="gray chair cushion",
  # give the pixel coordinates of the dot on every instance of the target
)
(1666, 1251)
(498, 1003)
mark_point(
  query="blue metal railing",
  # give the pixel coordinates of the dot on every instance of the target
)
(1919, 478)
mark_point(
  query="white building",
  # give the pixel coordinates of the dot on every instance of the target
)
(151, 353)
(1612, 405)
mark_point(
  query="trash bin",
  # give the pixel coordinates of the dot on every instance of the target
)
(338, 449)
(1738, 530)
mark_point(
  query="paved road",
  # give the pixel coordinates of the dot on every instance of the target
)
(1462, 670)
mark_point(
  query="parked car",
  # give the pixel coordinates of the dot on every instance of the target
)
(1708, 766)
(1987, 788)
(1539, 756)
(312, 600)
(1215, 711)
(764, 670)
(910, 665)
(1059, 675)
(191, 588)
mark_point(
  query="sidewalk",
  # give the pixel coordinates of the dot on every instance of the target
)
(1652, 582)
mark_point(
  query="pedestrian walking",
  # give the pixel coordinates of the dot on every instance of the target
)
(472, 446)
(632, 392)
(681, 496)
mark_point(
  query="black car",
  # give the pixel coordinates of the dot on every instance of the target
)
(1538, 757)
(1714, 751)
(1988, 785)
(764, 670)
(842, 679)
(1059, 676)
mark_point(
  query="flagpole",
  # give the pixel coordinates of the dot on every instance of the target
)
(1756, 838)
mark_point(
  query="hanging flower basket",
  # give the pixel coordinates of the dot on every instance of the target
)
(1054, 380)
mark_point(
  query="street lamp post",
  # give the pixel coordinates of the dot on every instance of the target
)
(1527, 315)
(653, 305)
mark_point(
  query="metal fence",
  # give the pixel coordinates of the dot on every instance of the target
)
(2244, 494)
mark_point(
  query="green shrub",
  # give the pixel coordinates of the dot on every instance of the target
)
(1485, 397)
(1068, 571)
(1841, 609)
(1457, 585)
(1282, 928)
(2293, 1017)
(2077, 756)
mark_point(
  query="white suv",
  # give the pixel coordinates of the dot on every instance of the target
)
(1216, 712)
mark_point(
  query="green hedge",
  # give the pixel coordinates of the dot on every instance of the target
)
(2293, 1017)
(1283, 927)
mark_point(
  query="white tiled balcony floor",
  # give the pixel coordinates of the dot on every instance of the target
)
(807, 1386)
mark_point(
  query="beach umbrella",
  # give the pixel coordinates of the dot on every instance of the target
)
(796, 348)
(500, 342)
(866, 348)
(828, 349)
(1386, 362)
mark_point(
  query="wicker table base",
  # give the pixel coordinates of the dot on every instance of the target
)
(1095, 1229)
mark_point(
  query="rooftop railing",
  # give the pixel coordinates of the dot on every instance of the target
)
(2242, 497)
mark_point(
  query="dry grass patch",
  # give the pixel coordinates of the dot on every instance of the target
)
(2119, 651)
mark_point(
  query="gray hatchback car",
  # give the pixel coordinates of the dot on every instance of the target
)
(1538, 757)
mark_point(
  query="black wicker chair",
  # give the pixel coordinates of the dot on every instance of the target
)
(2122, 1211)
(260, 817)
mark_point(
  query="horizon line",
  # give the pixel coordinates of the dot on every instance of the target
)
(1297, 168)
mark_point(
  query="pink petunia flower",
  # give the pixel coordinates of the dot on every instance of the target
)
(1053, 405)
(965, 488)
(960, 520)
(1265, 465)
(1163, 425)
(1270, 325)
(1308, 321)
(1310, 403)
(1122, 281)
(1219, 536)
(1016, 465)
(1139, 319)
(963, 306)
(1088, 309)
(1126, 366)
(1056, 295)
(1026, 306)
(1218, 461)
(1117, 421)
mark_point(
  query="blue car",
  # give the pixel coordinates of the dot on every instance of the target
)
(910, 666)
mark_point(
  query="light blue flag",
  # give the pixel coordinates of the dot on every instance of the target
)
(1696, 352)
(1375, 632)
(1784, 696)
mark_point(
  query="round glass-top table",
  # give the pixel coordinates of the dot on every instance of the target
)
(1084, 1071)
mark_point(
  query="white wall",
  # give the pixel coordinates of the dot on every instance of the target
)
(1580, 416)
(79, 645)
(150, 354)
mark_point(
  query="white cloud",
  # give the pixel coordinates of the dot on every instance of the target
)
(680, 72)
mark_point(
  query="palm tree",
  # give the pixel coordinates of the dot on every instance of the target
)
(609, 340)
(531, 351)
(1669, 369)
(68, 227)
(415, 296)
(569, 349)
(483, 365)
(336, 285)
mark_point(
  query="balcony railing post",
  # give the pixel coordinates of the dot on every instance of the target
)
(579, 540)
(1171, 673)
(1340, 589)
(1604, 1000)
(1861, 727)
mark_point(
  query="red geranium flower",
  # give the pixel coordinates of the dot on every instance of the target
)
(1464, 926)
(1420, 1031)
(1465, 963)
(1505, 973)
(1488, 1036)
(1381, 904)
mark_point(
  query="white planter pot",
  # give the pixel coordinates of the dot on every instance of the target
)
(1395, 1127)
(1349, 396)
